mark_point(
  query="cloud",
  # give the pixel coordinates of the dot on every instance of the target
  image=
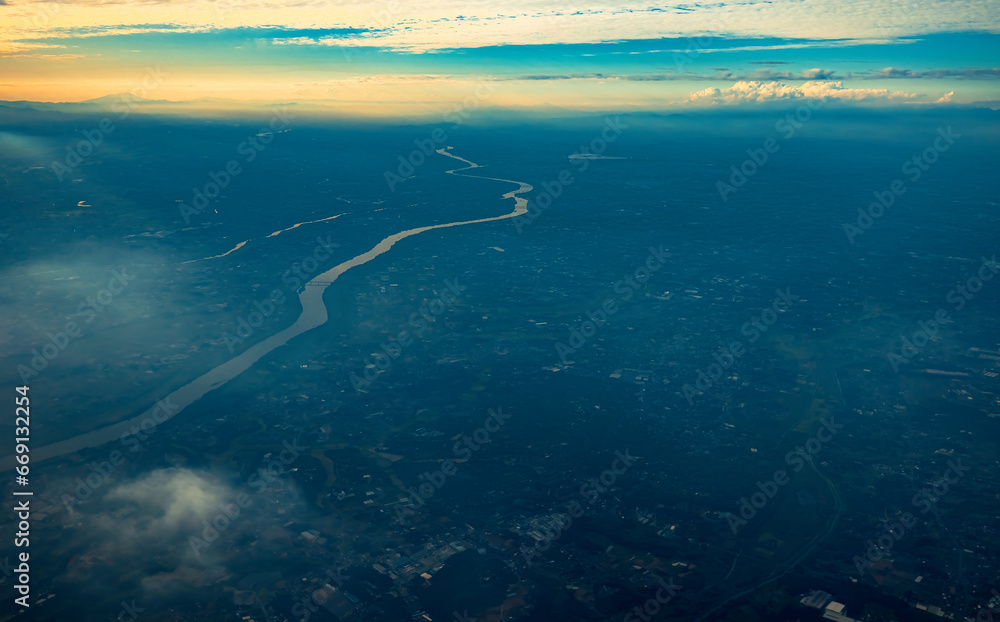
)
(123, 526)
(757, 92)
(10, 48)
(724, 74)
(451, 24)
(769, 75)
(799, 44)
(46, 56)
(322, 36)
(890, 72)
(84, 31)
(818, 74)
(347, 37)
(169, 500)
(766, 74)
(969, 73)
(944, 99)
(177, 582)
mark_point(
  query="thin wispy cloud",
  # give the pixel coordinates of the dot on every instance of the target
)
(433, 25)
(766, 74)
(970, 73)
(762, 74)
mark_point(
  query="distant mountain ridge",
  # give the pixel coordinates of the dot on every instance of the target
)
(119, 102)
(120, 97)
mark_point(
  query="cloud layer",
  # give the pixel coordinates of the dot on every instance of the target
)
(439, 24)
(757, 92)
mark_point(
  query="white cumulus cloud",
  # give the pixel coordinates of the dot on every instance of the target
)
(751, 91)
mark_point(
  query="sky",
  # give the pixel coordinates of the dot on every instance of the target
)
(586, 54)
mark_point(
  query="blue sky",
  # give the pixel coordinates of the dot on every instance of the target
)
(592, 55)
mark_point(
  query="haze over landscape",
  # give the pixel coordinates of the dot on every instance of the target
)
(458, 311)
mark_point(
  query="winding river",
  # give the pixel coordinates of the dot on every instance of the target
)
(314, 314)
